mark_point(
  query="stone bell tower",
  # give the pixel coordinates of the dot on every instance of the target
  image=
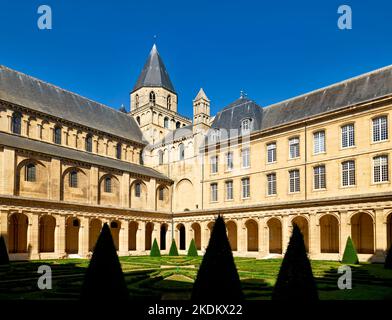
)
(201, 112)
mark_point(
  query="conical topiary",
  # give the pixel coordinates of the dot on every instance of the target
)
(350, 253)
(155, 252)
(173, 252)
(104, 279)
(218, 279)
(4, 259)
(295, 280)
(388, 259)
(192, 251)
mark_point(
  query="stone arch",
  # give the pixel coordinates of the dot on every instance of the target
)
(162, 197)
(148, 237)
(39, 188)
(181, 236)
(185, 186)
(197, 234)
(163, 235)
(80, 193)
(275, 235)
(252, 232)
(132, 235)
(47, 228)
(329, 234)
(231, 227)
(303, 225)
(17, 233)
(72, 228)
(362, 232)
(115, 227)
(111, 198)
(94, 232)
(138, 202)
(389, 231)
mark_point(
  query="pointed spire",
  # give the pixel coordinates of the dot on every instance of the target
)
(154, 73)
(201, 95)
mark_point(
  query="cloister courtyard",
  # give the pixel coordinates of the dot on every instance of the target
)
(171, 278)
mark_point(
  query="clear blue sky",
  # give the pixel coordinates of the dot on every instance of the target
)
(273, 50)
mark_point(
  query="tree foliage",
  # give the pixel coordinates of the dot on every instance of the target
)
(155, 252)
(350, 253)
(173, 252)
(192, 251)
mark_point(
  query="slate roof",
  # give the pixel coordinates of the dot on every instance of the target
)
(183, 132)
(57, 151)
(154, 73)
(366, 87)
(26, 91)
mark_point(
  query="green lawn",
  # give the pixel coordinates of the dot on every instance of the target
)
(168, 278)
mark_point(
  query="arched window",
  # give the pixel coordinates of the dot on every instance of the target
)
(161, 193)
(169, 102)
(118, 151)
(138, 120)
(166, 122)
(152, 97)
(108, 185)
(16, 124)
(89, 143)
(138, 189)
(30, 174)
(73, 179)
(178, 124)
(57, 135)
(137, 101)
(160, 156)
(181, 152)
(113, 224)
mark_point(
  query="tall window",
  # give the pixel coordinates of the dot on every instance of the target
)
(229, 190)
(89, 143)
(166, 122)
(271, 152)
(319, 177)
(245, 188)
(57, 135)
(271, 184)
(108, 185)
(138, 189)
(245, 158)
(181, 151)
(16, 124)
(138, 120)
(294, 148)
(380, 169)
(229, 161)
(30, 174)
(118, 150)
(294, 181)
(348, 136)
(152, 97)
(160, 156)
(214, 192)
(178, 125)
(73, 179)
(246, 126)
(380, 129)
(169, 102)
(319, 142)
(348, 173)
(214, 164)
(137, 101)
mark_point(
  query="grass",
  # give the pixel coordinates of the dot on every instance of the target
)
(165, 278)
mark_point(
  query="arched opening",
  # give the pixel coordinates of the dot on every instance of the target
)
(138, 120)
(160, 157)
(166, 122)
(47, 226)
(302, 223)
(16, 124)
(72, 235)
(115, 229)
(389, 231)
(164, 228)
(252, 230)
(197, 235)
(57, 135)
(149, 230)
(152, 97)
(181, 152)
(132, 235)
(169, 101)
(210, 226)
(232, 234)
(137, 101)
(178, 125)
(362, 232)
(329, 234)
(17, 233)
(95, 230)
(89, 143)
(275, 235)
(138, 196)
(181, 237)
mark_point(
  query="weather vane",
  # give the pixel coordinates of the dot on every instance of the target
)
(242, 94)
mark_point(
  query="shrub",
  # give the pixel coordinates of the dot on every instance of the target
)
(155, 252)
(192, 251)
(350, 254)
(104, 279)
(4, 259)
(388, 259)
(173, 249)
(218, 279)
(295, 279)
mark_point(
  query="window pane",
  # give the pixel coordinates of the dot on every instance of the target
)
(294, 181)
(271, 180)
(294, 148)
(348, 136)
(271, 152)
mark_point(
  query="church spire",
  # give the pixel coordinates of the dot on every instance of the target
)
(154, 73)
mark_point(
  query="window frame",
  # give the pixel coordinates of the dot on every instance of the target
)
(381, 173)
(272, 182)
(30, 172)
(273, 150)
(351, 173)
(73, 179)
(320, 177)
(243, 152)
(108, 185)
(295, 178)
(294, 144)
(214, 192)
(316, 137)
(245, 187)
(348, 137)
(380, 127)
(227, 188)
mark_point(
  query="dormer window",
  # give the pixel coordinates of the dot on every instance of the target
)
(246, 126)
(215, 135)
(152, 97)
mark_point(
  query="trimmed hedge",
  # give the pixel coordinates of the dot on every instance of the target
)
(350, 253)
(192, 251)
(155, 252)
(173, 252)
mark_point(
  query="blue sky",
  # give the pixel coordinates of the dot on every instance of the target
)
(273, 50)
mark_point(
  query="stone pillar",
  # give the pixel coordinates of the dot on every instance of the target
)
(156, 233)
(124, 234)
(124, 190)
(140, 237)
(4, 225)
(83, 236)
(93, 185)
(60, 236)
(263, 240)
(33, 236)
(287, 228)
(345, 230)
(242, 237)
(314, 235)
(189, 234)
(205, 235)
(55, 179)
(380, 235)
(25, 125)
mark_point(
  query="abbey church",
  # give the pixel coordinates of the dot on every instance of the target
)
(321, 160)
